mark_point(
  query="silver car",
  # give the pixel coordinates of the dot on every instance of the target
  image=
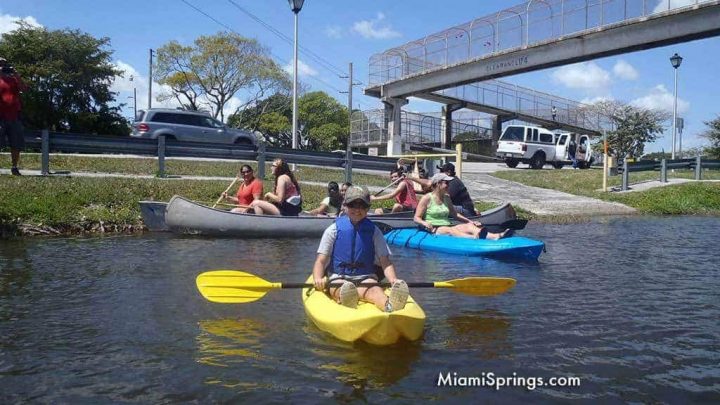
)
(192, 126)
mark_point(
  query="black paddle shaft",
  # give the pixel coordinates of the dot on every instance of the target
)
(334, 284)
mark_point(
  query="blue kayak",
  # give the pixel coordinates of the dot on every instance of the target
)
(512, 247)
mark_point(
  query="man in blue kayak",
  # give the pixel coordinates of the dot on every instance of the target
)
(350, 250)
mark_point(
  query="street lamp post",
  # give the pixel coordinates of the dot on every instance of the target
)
(134, 97)
(295, 6)
(675, 60)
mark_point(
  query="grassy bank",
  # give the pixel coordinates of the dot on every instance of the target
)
(148, 166)
(74, 205)
(693, 198)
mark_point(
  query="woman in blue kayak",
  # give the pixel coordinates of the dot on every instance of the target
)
(435, 209)
(350, 250)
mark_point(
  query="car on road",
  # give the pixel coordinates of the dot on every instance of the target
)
(190, 126)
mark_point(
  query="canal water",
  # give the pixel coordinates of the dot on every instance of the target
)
(630, 306)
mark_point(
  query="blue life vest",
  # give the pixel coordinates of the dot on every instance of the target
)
(354, 251)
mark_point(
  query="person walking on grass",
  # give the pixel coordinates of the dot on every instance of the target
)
(11, 129)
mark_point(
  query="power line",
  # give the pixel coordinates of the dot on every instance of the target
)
(319, 59)
(328, 85)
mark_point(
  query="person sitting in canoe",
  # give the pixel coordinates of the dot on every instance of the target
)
(350, 249)
(435, 209)
(457, 191)
(250, 190)
(404, 194)
(286, 199)
(330, 205)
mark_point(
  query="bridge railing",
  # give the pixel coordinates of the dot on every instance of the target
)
(696, 164)
(162, 148)
(528, 24)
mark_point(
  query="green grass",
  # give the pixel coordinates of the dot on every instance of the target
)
(693, 198)
(71, 205)
(149, 166)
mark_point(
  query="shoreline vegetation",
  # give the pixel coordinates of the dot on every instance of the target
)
(62, 205)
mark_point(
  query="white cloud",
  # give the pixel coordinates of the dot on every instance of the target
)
(303, 69)
(593, 100)
(9, 22)
(663, 5)
(333, 31)
(660, 98)
(586, 75)
(624, 70)
(372, 29)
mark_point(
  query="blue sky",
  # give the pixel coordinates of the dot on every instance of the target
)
(341, 31)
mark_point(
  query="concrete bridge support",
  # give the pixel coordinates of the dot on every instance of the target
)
(393, 110)
(446, 123)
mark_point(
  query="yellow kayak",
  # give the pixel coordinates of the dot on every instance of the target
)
(366, 322)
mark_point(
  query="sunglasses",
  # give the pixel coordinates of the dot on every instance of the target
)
(246, 172)
(356, 204)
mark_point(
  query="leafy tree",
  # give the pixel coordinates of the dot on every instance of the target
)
(634, 127)
(209, 73)
(322, 121)
(713, 135)
(68, 74)
(250, 117)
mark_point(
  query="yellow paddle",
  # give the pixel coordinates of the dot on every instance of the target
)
(239, 287)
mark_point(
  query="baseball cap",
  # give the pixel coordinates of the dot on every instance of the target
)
(355, 193)
(447, 167)
(438, 177)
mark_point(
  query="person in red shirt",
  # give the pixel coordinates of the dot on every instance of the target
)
(10, 126)
(404, 193)
(250, 190)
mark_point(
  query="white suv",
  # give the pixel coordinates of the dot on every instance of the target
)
(192, 126)
(532, 145)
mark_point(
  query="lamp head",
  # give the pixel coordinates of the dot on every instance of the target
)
(296, 5)
(676, 60)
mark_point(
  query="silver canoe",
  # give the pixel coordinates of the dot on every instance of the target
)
(153, 215)
(185, 216)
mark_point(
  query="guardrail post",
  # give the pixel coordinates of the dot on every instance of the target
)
(626, 175)
(45, 149)
(663, 171)
(458, 159)
(261, 160)
(348, 166)
(698, 168)
(161, 155)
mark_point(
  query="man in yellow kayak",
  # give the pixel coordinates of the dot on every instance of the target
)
(350, 249)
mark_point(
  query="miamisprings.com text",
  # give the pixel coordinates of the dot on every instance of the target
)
(490, 380)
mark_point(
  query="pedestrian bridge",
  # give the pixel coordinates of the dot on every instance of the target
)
(535, 35)
(456, 66)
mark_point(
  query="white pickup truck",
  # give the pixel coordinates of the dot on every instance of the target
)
(537, 146)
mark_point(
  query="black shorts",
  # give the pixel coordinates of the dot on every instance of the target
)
(12, 134)
(289, 210)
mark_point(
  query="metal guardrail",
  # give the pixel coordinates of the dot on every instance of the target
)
(161, 148)
(696, 164)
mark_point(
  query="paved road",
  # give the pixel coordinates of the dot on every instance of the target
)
(540, 201)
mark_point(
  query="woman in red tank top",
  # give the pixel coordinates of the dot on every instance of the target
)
(404, 194)
(286, 199)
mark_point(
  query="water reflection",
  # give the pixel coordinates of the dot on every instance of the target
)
(230, 343)
(361, 366)
(485, 332)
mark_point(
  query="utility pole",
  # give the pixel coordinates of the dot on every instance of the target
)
(348, 149)
(150, 79)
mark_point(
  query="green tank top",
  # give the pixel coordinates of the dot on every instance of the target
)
(437, 214)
